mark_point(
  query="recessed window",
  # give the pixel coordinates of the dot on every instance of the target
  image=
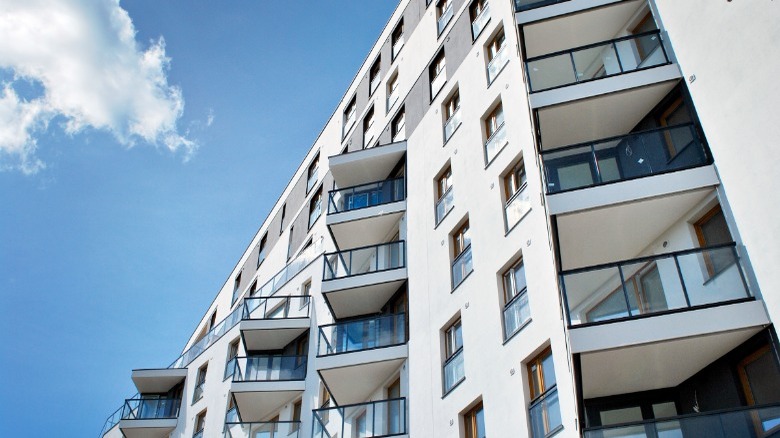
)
(392, 91)
(305, 293)
(474, 422)
(374, 76)
(495, 133)
(281, 222)
(368, 131)
(200, 424)
(517, 202)
(290, 243)
(516, 310)
(200, 383)
(437, 73)
(397, 39)
(496, 55)
(315, 207)
(399, 126)
(296, 416)
(350, 114)
(479, 12)
(312, 173)
(451, 112)
(454, 371)
(236, 288)
(461, 247)
(395, 408)
(444, 13)
(712, 230)
(544, 410)
(444, 196)
(261, 253)
(230, 364)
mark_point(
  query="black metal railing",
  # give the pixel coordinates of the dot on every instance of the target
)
(269, 368)
(525, 5)
(744, 422)
(289, 429)
(281, 307)
(150, 408)
(375, 419)
(364, 260)
(362, 334)
(596, 61)
(654, 284)
(366, 195)
(625, 157)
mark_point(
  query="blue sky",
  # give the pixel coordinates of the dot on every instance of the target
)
(136, 170)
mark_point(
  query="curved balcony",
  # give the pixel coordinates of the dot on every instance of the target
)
(270, 323)
(149, 417)
(379, 418)
(264, 383)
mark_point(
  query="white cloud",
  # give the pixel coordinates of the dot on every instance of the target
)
(92, 72)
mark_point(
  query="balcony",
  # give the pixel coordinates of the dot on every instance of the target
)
(372, 419)
(461, 267)
(444, 205)
(480, 22)
(360, 281)
(366, 195)
(495, 143)
(746, 422)
(453, 371)
(497, 64)
(264, 429)
(596, 61)
(663, 283)
(625, 157)
(445, 18)
(366, 165)
(356, 356)
(270, 323)
(264, 383)
(149, 417)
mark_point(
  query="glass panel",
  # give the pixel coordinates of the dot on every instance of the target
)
(454, 371)
(445, 18)
(383, 331)
(551, 72)
(545, 415)
(497, 64)
(461, 267)
(596, 62)
(517, 207)
(364, 260)
(264, 368)
(516, 314)
(661, 410)
(364, 419)
(444, 205)
(367, 195)
(712, 276)
(618, 416)
(495, 143)
(452, 124)
(479, 23)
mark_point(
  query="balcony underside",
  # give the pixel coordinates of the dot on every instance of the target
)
(362, 294)
(602, 108)
(271, 334)
(587, 238)
(155, 428)
(352, 377)
(155, 381)
(367, 165)
(664, 363)
(365, 226)
(256, 401)
(577, 29)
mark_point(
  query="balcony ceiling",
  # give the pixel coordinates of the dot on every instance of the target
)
(582, 28)
(622, 231)
(366, 295)
(158, 380)
(367, 165)
(354, 384)
(157, 428)
(598, 117)
(271, 334)
(655, 365)
(367, 226)
(260, 405)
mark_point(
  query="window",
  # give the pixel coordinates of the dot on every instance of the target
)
(711, 230)
(306, 293)
(497, 56)
(398, 38)
(281, 222)
(462, 264)
(200, 424)
(368, 133)
(315, 207)
(302, 350)
(324, 416)
(516, 311)
(444, 13)
(312, 173)
(676, 113)
(230, 364)
(290, 243)
(361, 426)
(474, 422)
(399, 123)
(232, 415)
(200, 383)
(395, 414)
(495, 133)
(374, 76)
(296, 416)
(392, 91)
(437, 73)
(261, 249)
(349, 115)
(213, 319)
(452, 117)
(645, 46)
(480, 17)
(444, 202)
(454, 371)
(544, 411)
(517, 201)
(236, 288)
(253, 289)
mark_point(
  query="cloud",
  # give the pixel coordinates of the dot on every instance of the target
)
(92, 74)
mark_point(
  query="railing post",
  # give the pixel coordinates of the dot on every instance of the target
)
(682, 281)
(574, 67)
(625, 292)
(617, 55)
(596, 163)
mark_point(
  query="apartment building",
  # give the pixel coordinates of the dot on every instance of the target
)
(525, 218)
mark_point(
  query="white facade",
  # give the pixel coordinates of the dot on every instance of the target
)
(612, 155)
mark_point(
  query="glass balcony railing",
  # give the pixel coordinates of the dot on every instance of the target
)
(366, 195)
(269, 368)
(438, 82)
(462, 267)
(545, 414)
(746, 422)
(452, 124)
(399, 44)
(516, 314)
(444, 205)
(497, 64)
(266, 429)
(517, 207)
(392, 98)
(374, 84)
(654, 284)
(198, 434)
(495, 143)
(454, 371)
(525, 5)
(479, 23)
(445, 18)
(625, 157)
(282, 307)
(150, 408)
(371, 419)
(365, 260)
(596, 61)
(312, 181)
(362, 334)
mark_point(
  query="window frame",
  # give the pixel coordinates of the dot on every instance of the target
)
(470, 422)
(698, 227)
